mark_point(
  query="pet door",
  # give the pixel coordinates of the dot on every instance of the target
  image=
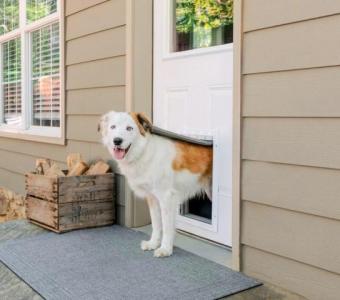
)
(199, 207)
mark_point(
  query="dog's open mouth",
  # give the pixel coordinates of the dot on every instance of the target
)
(120, 153)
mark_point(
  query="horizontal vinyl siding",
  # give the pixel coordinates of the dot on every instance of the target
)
(95, 83)
(12, 180)
(98, 73)
(74, 6)
(108, 43)
(105, 15)
(267, 13)
(301, 237)
(305, 189)
(308, 44)
(290, 216)
(294, 93)
(95, 101)
(306, 280)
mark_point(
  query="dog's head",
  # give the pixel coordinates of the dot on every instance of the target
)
(124, 133)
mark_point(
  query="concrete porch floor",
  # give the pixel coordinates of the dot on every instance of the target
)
(13, 288)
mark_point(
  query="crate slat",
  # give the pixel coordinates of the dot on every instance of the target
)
(42, 186)
(42, 211)
(82, 208)
(87, 194)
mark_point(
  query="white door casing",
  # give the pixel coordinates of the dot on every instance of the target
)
(193, 96)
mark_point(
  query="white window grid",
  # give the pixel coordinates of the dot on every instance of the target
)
(23, 32)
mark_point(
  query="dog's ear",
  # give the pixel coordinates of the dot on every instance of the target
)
(142, 121)
(102, 124)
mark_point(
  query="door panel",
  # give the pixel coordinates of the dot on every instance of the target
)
(193, 72)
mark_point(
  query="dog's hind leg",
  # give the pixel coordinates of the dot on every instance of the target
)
(169, 205)
(156, 221)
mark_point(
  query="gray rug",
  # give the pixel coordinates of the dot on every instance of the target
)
(107, 263)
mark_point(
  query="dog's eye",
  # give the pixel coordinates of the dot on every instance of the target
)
(129, 128)
(113, 126)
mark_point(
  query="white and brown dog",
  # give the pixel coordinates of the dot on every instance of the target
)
(163, 171)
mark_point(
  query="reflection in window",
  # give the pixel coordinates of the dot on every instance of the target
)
(37, 9)
(202, 23)
(45, 76)
(9, 15)
(11, 82)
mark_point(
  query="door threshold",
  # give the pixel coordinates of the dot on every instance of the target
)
(210, 250)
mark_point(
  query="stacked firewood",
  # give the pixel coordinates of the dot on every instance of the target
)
(75, 167)
(12, 206)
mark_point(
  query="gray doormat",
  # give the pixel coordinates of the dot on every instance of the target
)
(107, 263)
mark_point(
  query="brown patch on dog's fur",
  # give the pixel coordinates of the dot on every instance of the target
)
(194, 158)
(142, 122)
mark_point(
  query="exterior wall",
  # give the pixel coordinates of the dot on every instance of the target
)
(290, 208)
(95, 35)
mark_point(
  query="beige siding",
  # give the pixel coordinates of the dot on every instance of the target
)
(75, 6)
(301, 237)
(95, 83)
(99, 45)
(96, 100)
(305, 189)
(308, 44)
(311, 282)
(293, 93)
(99, 73)
(267, 13)
(105, 15)
(290, 217)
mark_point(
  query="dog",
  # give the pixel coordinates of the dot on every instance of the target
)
(165, 172)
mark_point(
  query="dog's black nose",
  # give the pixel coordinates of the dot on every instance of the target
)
(117, 141)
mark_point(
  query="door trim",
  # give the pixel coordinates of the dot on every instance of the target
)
(237, 127)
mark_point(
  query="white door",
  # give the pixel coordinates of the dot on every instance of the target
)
(193, 66)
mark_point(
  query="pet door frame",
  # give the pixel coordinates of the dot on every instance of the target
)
(183, 221)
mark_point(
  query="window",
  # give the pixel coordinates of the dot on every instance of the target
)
(202, 23)
(30, 71)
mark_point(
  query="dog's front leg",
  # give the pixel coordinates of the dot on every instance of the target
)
(168, 205)
(156, 221)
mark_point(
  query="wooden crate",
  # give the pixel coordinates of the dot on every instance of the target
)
(66, 203)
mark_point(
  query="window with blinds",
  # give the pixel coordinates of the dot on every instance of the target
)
(11, 81)
(45, 76)
(9, 15)
(30, 83)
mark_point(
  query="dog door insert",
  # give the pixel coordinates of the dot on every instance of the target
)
(199, 207)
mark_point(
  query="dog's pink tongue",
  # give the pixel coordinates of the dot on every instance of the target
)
(119, 153)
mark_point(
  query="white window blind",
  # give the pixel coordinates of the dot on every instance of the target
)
(37, 9)
(45, 76)
(30, 78)
(11, 82)
(9, 15)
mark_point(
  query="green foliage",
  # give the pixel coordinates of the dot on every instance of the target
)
(37, 9)
(9, 16)
(209, 14)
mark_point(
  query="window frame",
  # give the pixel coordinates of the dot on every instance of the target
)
(27, 131)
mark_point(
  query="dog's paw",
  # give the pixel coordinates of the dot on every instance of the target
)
(149, 245)
(162, 252)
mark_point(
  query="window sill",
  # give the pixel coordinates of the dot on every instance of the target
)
(34, 135)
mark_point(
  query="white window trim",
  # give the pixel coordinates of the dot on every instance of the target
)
(54, 135)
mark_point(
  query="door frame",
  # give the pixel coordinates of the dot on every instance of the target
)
(139, 19)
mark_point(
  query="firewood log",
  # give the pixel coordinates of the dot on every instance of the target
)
(99, 168)
(79, 169)
(72, 159)
(54, 170)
